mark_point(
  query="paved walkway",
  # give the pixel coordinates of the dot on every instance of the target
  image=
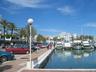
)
(19, 63)
(56, 70)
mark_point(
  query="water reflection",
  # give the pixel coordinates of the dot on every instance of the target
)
(66, 59)
(63, 53)
(86, 54)
(82, 53)
(75, 53)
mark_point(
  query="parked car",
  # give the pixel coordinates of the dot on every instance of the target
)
(0, 60)
(5, 56)
(41, 45)
(34, 47)
(18, 49)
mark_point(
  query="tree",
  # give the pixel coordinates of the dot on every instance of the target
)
(23, 33)
(40, 38)
(6, 27)
(91, 37)
(4, 24)
(55, 38)
(33, 30)
(12, 27)
(86, 37)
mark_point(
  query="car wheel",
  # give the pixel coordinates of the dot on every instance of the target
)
(0, 62)
(4, 58)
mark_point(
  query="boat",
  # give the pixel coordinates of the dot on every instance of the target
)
(59, 45)
(77, 44)
(87, 45)
(67, 45)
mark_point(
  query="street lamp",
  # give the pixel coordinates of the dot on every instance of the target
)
(30, 21)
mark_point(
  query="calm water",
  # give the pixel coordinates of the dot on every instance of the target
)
(72, 59)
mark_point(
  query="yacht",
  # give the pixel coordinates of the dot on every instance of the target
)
(59, 45)
(87, 45)
(67, 45)
(77, 44)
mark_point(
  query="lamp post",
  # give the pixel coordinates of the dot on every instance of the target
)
(30, 21)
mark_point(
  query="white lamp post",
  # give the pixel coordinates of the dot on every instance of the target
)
(30, 21)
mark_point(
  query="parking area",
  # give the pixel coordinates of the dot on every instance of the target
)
(20, 61)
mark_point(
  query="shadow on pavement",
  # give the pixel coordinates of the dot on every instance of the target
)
(4, 68)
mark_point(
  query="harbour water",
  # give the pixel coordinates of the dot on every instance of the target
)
(72, 59)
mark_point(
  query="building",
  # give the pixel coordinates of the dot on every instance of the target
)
(65, 36)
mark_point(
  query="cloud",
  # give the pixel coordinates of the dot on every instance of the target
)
(66, 10)
(29, 3)
(11, 9)
(50, 30)
(92, 24)
(15, 6)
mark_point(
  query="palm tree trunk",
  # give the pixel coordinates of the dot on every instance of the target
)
(4, 32)
(11, 34)
(11, 31)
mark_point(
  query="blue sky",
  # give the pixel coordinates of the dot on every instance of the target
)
(52, 16)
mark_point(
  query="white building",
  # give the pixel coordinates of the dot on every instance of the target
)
(66, 36)
(75, 36)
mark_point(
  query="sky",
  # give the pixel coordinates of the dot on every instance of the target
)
(52, 16)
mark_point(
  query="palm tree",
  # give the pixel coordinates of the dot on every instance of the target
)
(4, 25)
(40, 38)
(33, 30)
(24, 32)
(12, 27)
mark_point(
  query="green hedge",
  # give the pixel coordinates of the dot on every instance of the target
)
(7, 36)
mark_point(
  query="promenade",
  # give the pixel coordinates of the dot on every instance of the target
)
(20, 62)
(57, 70)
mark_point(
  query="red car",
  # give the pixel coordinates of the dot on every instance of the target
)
(0, 60)
(21, 49)
(41, 46)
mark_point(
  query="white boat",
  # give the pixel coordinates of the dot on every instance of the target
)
(77, 41)
(77, 44)
(87, 45)
(59, 45)
(67, 45)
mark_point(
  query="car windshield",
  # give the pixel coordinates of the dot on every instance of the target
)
(20, 46)
(17, 45)
(25, 46)
(45, 43)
